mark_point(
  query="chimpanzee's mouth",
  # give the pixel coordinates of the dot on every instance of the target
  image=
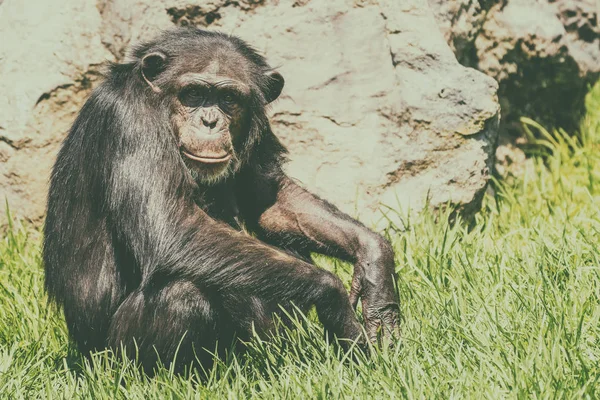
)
(208, 159)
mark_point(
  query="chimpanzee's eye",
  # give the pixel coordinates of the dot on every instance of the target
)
(228, 99)
(192, 96)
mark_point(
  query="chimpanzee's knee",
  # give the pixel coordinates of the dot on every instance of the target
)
(174, 323)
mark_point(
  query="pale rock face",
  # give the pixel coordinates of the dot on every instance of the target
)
(48, 55)
(543, 53)
(376, 111)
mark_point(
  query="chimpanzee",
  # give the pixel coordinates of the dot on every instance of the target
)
(171, 225)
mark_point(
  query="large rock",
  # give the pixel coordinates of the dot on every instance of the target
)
(376, 109)
(543, 53)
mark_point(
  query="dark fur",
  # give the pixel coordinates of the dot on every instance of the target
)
(136, 250)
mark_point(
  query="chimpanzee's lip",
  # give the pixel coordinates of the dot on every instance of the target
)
(208, 159)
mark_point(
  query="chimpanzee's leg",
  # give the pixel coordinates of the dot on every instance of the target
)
(161, 319)
(290, 217)
(175, 322)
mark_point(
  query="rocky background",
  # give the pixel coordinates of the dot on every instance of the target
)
(384, 107)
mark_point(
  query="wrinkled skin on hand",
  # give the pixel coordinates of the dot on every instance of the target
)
(303, 223)
(378, 298)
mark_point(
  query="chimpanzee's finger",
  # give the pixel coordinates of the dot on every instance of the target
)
(390, 319)
(372, 327)
(355, 290)
(381, 322)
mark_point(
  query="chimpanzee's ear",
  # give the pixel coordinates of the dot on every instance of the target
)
(152, 65)
(274, 85)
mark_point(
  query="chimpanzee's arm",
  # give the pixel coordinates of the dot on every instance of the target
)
(152, 212)
(286, 215)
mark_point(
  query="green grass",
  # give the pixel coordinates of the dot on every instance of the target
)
(509, 308)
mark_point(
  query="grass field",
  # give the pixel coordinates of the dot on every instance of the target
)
(507, 309)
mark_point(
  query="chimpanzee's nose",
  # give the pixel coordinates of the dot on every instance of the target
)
(210, 121)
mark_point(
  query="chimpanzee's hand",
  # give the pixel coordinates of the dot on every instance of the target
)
(373, 283)
(320, 227)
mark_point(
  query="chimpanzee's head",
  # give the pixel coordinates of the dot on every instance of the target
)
(216, 88)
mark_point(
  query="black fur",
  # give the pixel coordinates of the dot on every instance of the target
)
(139, 254)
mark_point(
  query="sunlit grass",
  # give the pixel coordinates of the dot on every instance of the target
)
(506, 307)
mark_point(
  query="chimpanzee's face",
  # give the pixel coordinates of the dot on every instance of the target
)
(209, 119)
(211, 98)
